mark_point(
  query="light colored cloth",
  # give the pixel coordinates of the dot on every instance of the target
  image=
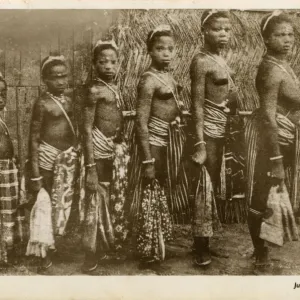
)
(41, 229)
(103, 147)
(158, 132)
(280, 227)
(215, 119)
(50, 213)
(206, 219)
(47, 156)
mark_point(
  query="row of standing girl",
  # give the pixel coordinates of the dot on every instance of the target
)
(159, 172)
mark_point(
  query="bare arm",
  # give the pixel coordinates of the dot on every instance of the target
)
(198, 74)
(268, 83)
(35, 133)
(88, 122)
(145, 94)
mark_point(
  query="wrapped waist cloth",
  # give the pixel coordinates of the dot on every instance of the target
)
(158, 132)
(286, 130)
(215, 119)
(47, 156)
(103, 147)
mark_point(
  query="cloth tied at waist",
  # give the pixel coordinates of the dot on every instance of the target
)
(215, 119)
(104, 147)
(159, 131)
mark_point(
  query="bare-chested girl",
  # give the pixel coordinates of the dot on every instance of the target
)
(211, 86)
(161, 138)
(105, 158)
(10, 212)
(53, 154)
(271, 132)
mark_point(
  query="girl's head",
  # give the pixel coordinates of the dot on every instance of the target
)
(278, 32)
(161, 45)
(55, 73)
(216, 28)
(105, 59)
(3, 90)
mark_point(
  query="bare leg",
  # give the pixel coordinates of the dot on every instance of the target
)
(160, 156)
(258, 204)
(214, 150)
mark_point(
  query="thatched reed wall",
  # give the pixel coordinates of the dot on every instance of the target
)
(243, 55)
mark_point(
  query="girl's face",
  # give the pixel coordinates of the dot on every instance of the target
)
(106, 64)
(281, 39)
(163, 50)
(57, 79)
(2, 95)
(217, 33)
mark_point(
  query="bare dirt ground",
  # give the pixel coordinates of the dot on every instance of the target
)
(234, 239)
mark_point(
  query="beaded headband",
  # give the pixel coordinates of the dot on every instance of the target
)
(275, 13)
(160, 28)
(52, 58)
(211, 13)
(102, 43)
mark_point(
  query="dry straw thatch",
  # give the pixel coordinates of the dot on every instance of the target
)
(243, 55)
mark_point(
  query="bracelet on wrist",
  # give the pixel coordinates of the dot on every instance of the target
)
(90, 165)
(199, 143)
(276, 157)
(36, 178)
(149, 161)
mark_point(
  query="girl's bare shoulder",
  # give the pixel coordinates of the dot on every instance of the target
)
(147, 81)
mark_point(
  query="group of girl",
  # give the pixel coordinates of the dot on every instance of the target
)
(271, 133)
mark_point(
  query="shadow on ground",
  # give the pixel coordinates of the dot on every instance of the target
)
(234, 239)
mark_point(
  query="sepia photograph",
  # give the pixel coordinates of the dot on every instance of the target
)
(150, 142)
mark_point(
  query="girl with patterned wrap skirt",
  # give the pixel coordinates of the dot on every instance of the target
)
(272, 139)
(161, 139)
(11, 213)
(54, 160)
(211, 87)
(106, 158)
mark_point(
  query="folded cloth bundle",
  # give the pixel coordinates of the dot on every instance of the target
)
(280, 226)
(41, 230)
(155, 226)
(98, 227)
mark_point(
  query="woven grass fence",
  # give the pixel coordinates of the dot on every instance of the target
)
(243, 56)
